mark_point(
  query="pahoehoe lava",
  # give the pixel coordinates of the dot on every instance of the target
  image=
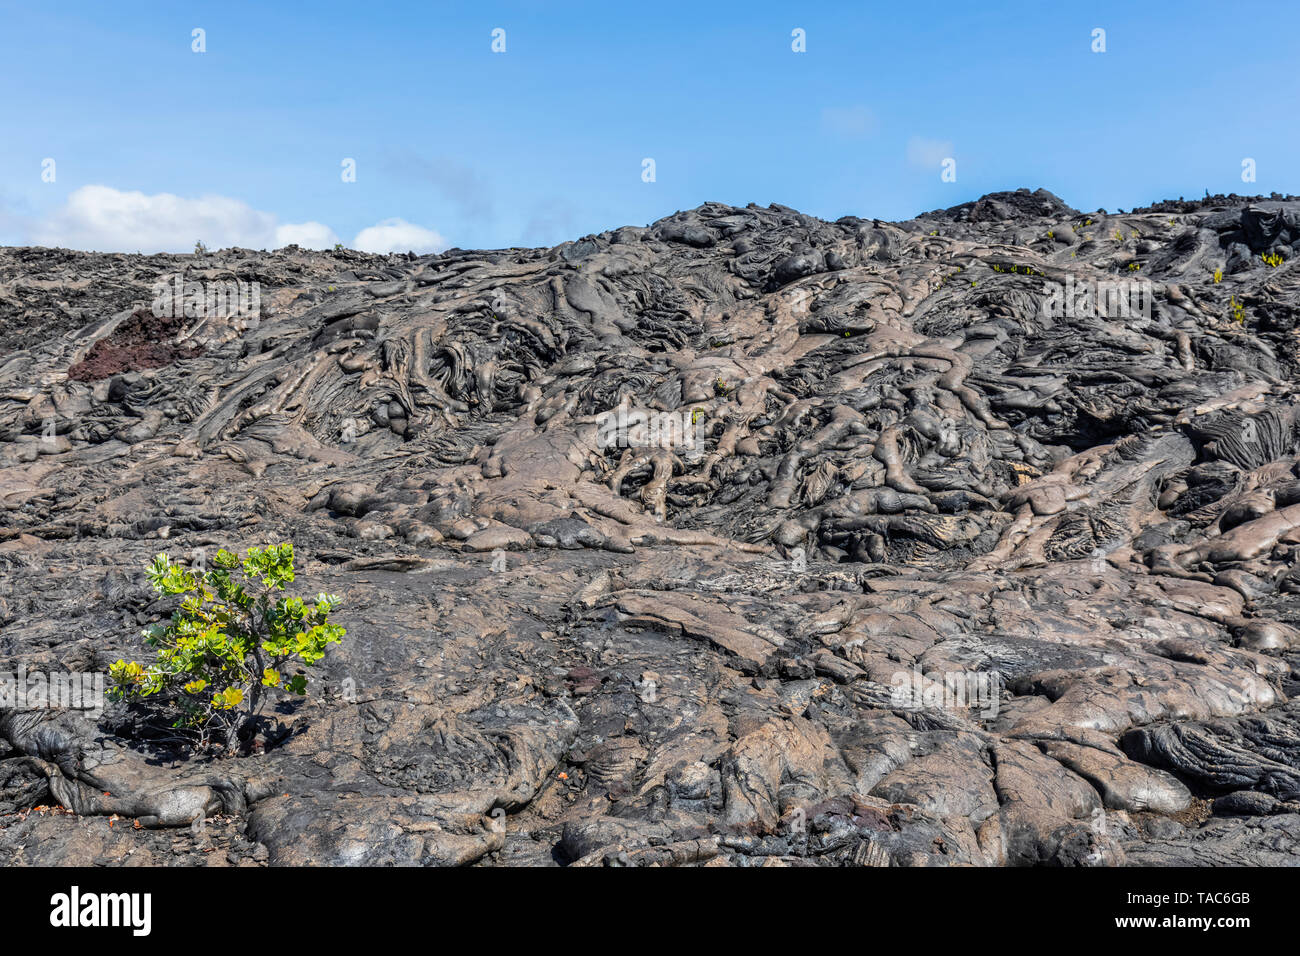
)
(563, 652)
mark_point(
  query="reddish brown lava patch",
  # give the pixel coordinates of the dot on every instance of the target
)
(142, 341)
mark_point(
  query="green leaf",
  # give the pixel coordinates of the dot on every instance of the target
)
(205, 659)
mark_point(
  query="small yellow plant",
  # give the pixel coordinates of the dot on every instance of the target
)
(1218, 276)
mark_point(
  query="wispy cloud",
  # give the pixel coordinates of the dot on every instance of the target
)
(454, 181)
(854, 122)
(928, 153)
(550, 222)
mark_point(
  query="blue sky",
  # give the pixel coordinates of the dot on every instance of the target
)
(545, 141)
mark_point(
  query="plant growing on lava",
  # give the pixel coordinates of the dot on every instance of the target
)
(229, 642)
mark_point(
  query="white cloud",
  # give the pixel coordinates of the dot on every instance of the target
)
(309, 235)
(851, 121)
(398, 235)
(104, 219)
(928, 153)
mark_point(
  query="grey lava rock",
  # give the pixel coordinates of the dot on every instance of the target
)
(902, 552)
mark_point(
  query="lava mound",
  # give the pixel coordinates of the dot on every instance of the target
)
(740, 537)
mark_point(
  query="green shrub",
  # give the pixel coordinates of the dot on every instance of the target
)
(228, 642)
